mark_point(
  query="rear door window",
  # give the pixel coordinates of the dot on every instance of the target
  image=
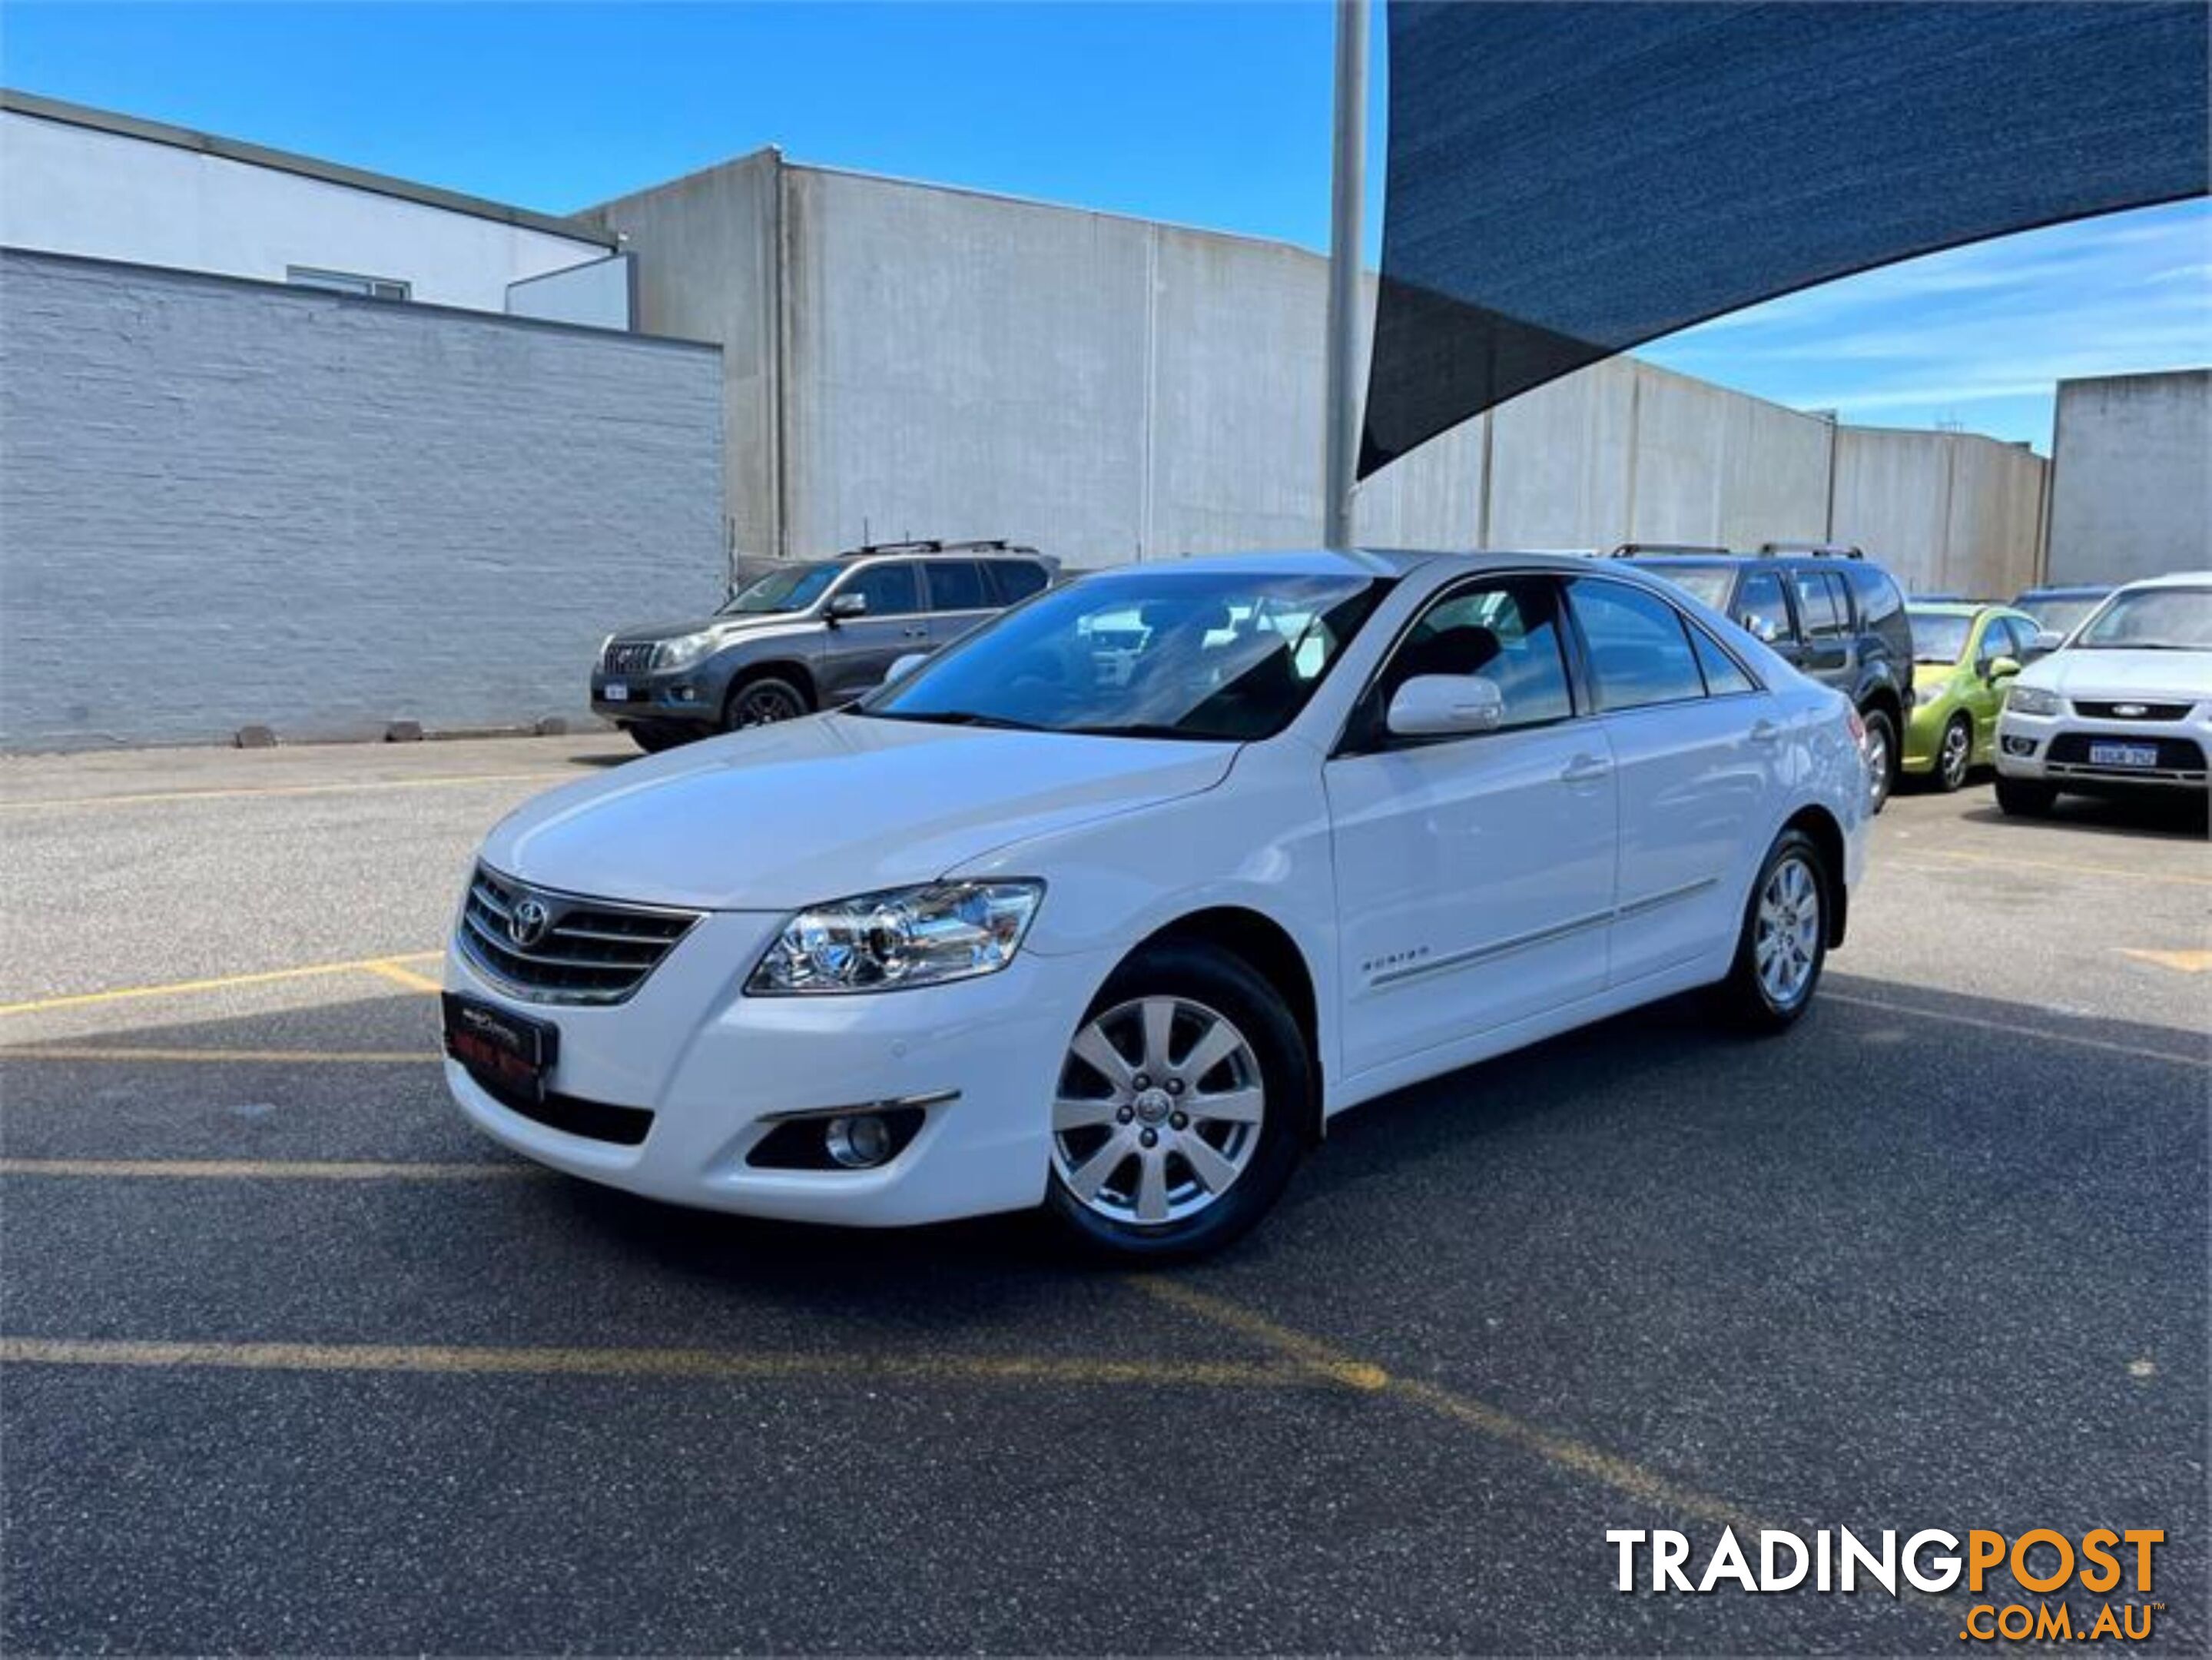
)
(957, 585)
(1639, 651)
(1015, 579)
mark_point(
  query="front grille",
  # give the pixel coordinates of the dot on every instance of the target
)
(2134, 710)
(628, 657)
(583, 951)
(2180, 760)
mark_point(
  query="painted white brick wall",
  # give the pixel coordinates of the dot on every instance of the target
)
(226, 503)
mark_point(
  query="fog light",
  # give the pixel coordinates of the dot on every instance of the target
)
(2019, 746)
(858, 1142)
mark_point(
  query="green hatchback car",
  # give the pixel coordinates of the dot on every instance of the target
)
(1963, 654)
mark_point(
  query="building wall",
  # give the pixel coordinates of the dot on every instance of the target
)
(79, 190)
(2131, 478)
(955, 364)
(713, 274)
(226, 503)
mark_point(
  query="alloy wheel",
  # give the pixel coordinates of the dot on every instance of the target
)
(1877, 762)
(1159, 1112)
(1787, 943)
(1958, 754)
(763, 706)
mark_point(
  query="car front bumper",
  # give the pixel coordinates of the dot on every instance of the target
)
(688, 695)
(1923, 734)
(719, 1071)
(2056, 750)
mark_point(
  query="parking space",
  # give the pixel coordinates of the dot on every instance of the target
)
(293, 1360)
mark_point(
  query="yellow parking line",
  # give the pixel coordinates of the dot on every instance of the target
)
(2041, 1034)
(406, 977)
(1562, 1450)
(221, 983)
(246, 1170)
(221, 1057)
(458, 782)
(2071, 866)
(710, 1364)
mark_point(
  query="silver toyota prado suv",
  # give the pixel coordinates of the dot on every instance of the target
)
(808, 635)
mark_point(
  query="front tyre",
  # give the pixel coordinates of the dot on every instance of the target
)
(1181, 1108)
(2025, 797)
(762, 700)
(1785, 942)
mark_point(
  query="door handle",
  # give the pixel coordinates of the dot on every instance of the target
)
(1765, 731)
(1586, 770)
(916, 633)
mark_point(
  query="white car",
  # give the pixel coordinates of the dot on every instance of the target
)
(1110, 908)
(2124, 705)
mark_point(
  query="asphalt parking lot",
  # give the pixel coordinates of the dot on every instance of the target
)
(291, 1361)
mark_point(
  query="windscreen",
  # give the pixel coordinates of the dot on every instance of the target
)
(1939, 636)
(1708, 585)
(2060, 616)
(1166, 655)
(781, 590)
(2151, 619)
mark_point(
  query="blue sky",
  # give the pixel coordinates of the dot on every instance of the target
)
(1214, 115)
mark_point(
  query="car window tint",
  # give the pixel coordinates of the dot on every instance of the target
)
(957, 585)
(1639, 653)
(891, 590)
(1507, 631)
(1760, 606)
(1015, 579)
(1723, 674)
(2020, 636)
(1817, 594)
(1878, 596)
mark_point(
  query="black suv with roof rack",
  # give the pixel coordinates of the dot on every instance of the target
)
(808, 635)
(1833, 612)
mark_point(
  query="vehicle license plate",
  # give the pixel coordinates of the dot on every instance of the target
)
(500, 1048)
(2123, 754)
(617, 691)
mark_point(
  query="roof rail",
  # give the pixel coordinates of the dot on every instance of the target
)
(1817, 549)
(996, 544)
(1638, 550)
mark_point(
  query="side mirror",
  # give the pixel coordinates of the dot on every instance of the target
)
(1446, 706)
(2044, 643)
(1764, 629)
(902, 666)
(2003, 668)
(848, 604)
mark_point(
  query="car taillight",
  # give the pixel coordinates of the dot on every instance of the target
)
(1858, 727)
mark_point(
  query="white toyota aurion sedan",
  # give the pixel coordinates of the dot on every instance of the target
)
(1108, 908)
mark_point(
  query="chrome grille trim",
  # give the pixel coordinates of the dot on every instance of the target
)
(592, 951)
(2107, 709)
(628, 657)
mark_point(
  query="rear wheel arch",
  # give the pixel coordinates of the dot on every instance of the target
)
(1828, 836)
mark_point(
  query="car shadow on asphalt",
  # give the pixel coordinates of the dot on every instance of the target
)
(2171, 817)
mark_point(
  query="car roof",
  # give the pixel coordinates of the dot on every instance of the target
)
(2178, 579)
(2068, 591)
(1388, 562)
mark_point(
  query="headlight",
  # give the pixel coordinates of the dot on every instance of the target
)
(902, 937)
(682, 653)
(2031, 700)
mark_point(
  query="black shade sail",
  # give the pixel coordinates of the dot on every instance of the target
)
(1569, 180)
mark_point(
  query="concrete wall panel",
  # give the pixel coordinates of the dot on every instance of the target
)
(709, 269)
(2131, 478)
(227, 502)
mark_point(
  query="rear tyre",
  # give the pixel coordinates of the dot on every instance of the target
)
(1881, 757)
(762, 701)
(1955, 754)
(1181, 1110)
(1785, 943)
(2024, 798)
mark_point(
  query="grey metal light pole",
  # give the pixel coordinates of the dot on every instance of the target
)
(1342, 414)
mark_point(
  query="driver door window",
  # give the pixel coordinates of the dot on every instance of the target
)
(1507, 631)
(1761, 609)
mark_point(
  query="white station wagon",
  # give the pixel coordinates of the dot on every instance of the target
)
(1110, 907)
